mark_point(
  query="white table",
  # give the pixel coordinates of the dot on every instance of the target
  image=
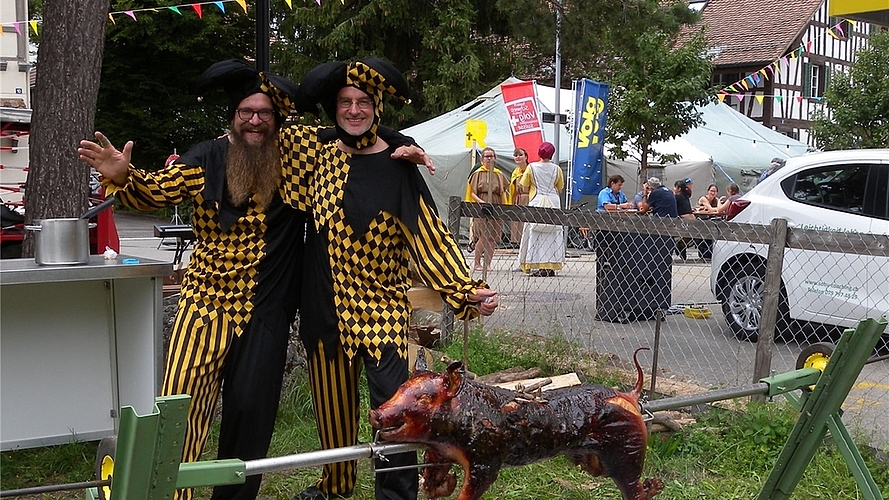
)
(76, 344)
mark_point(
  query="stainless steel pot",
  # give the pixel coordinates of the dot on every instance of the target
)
(61, 241)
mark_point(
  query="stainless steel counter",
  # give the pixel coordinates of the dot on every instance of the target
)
(78, 342)
(17, 271)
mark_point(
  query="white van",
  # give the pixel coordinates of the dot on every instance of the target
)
(844, 191)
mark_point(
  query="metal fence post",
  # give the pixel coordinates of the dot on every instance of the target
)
(447, 313)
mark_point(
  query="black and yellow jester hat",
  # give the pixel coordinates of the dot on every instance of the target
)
(373, 76)
(239, 80)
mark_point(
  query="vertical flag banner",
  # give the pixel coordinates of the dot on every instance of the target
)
(520, 100)
(590, 108)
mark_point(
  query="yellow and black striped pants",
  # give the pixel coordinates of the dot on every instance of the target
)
(334, 385)
(202, 356)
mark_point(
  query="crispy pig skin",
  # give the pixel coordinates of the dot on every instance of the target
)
(484, 428)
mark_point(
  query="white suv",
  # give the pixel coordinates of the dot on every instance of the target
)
(844, 191)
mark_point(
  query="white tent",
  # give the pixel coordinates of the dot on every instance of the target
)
(444, 139)
(727, 144)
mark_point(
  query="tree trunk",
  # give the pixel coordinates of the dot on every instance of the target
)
(69, 69)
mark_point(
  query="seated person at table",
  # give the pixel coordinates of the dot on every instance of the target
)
(709, 203)
(611, 198)
(734, 192)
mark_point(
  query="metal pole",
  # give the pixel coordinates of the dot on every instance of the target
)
(558, 71)
(316, 458)
(263, 19)
(705, 397)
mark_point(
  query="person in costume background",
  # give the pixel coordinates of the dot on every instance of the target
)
(518, 192)
(370, 217)
(542, 251)
(486, 184)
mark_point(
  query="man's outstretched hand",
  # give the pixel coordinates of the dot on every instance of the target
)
(106, 159)
(416, 155)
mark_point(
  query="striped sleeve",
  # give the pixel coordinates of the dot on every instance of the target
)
(440, 263)
(152, 190)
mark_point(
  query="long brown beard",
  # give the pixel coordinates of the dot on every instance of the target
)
(253, 170)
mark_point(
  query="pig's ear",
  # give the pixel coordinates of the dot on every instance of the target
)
(420, 363)
(454, 377)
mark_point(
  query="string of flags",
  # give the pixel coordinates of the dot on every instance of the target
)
(197, 7)
(752, 80)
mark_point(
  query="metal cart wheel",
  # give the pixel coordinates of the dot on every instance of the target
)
(105, 464)
(815, 356)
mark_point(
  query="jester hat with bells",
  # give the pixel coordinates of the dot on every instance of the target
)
(371, 75)
(239, 80)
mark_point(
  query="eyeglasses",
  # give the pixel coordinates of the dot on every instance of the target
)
(487, 156)
(363, 103)
(246, 114)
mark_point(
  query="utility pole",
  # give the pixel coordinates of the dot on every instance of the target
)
(263, 19)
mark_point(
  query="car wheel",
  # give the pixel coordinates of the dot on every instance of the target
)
(742, 304)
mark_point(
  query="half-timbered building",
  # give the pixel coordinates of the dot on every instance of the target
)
(774, 58)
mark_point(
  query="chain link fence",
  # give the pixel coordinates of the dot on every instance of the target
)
(701, 291)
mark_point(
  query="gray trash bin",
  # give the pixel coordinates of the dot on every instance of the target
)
(634, 275)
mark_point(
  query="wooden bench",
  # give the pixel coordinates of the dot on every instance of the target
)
(183, 234)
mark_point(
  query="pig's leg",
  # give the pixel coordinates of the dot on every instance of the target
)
(617, 448)
(438, 480)
(479, 476)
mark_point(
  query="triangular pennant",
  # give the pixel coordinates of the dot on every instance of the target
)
(318, 2)
(721, 97)
(175, 8)
(809, 46)
(243, 4)
(111, 18)
(831, 33)
(799, 98)
(732, 88)
(839, 28)
(131, 14)
(18, 29)
(289, 3)
(759, 98)
(33, 26)
(764, 73)
(778, 98)
(197, 9)
(793, 55)
(785, 61)
(800, 50)
(740, 98)
(744, 84)
(221, 6)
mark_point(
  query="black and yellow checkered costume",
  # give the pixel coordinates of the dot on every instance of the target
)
(371, 216)
(239, 295)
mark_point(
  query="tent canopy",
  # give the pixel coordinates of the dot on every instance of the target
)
(444, 139)
(726, 144)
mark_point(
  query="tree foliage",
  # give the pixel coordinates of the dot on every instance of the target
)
(64, 103)
(858, 102)
(654, 96)
(450, 50)
(149, 71)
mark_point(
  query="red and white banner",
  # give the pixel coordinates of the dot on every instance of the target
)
(520, 100)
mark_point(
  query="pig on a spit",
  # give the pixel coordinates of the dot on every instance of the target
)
(484, 428)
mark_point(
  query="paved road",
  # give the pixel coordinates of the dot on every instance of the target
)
(136, 232)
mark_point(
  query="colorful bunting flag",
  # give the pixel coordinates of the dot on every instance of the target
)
(197, 9)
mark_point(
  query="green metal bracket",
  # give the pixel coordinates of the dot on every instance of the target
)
(148, 454)
(820, 410)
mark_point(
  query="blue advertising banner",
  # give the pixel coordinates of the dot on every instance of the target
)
(590, 108)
